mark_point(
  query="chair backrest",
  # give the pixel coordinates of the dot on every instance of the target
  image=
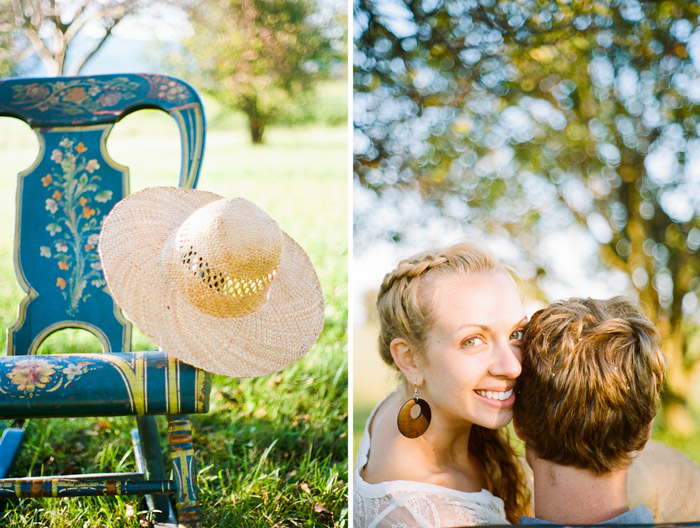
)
(73, 184)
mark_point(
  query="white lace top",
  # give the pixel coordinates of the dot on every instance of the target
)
(408, 504)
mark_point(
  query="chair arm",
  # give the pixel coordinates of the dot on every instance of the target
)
(122, 384)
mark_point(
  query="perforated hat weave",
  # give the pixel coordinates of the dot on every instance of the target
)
(213, 281)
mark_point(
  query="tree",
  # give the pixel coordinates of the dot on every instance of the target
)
(49, 28)
(6, 54)
(523, 117)
(258, 56)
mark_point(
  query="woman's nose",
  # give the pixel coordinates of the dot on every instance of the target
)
(506, 362)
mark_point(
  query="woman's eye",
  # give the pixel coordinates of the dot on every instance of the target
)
(472, 341)
(517, 335)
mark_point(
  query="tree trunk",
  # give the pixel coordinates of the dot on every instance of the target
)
(257, 127)
(675, 395)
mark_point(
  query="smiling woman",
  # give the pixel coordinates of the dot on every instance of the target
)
(452, 323)
(471, 357)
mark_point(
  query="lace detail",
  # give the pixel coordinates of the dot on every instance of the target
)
(408, 504)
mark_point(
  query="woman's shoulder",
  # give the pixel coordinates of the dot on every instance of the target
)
(383, 452)
(404, 494)
(386, 456)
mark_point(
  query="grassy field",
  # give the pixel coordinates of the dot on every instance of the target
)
(272, 451)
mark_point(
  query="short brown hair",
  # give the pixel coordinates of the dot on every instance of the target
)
(591, 375)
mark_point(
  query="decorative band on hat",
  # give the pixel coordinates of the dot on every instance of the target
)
(226, 284)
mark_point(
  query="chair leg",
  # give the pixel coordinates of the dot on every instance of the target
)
(10, 443)
(185, 475)
(153, 457)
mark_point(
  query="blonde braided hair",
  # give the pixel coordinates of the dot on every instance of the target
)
(403, 302)
(405, 310)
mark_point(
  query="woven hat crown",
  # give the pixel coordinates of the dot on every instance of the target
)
(224, 257)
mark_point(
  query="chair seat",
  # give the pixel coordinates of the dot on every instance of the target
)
(135, 383)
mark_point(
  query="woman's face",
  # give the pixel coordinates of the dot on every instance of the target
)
(473, 354)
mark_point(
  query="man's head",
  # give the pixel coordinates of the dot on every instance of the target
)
(591, 374)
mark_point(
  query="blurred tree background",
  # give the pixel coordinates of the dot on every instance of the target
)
(521, 118)
(263, 56)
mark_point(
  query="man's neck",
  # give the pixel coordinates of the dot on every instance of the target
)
(569, 495)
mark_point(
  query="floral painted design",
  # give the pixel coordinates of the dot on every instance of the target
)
(73, 203)
(74, 371)
(33, 376)
(170, 90)
(78, 96)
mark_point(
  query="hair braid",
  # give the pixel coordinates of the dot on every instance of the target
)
(503, 469)
(398, 303)
(411, 268)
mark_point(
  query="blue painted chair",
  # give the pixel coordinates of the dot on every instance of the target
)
(61, 202)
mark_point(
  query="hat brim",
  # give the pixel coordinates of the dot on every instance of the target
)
(265, 341)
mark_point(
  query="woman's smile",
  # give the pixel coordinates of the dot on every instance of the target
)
(501, 399)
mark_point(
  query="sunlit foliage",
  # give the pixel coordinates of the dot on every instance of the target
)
(258, 56)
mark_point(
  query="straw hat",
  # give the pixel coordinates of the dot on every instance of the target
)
(213, 281)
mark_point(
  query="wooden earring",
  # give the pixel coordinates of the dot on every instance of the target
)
(409, 426)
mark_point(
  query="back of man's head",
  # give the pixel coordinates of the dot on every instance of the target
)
(591, 374)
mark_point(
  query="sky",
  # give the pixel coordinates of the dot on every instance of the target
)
(132, 48)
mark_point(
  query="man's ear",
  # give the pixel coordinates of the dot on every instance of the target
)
(518, 431)
(405, 359)
(529, 453)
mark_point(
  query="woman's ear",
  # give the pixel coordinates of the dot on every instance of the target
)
(405, 359)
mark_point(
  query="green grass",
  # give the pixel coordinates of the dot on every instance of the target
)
(272, 451)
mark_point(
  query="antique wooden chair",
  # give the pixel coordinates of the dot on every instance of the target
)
(61, 202)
